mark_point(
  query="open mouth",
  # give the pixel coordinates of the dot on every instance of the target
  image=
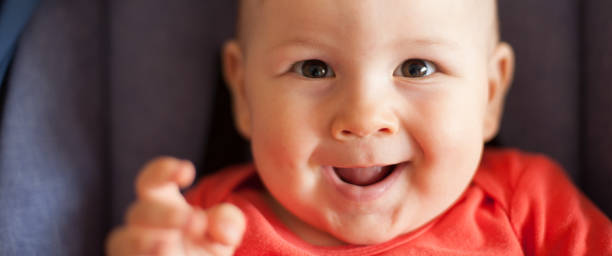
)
(363, 184)
(364, 176)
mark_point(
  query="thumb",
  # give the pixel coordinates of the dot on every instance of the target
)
(162, 178)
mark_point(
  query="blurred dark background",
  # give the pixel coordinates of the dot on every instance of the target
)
(95, 88)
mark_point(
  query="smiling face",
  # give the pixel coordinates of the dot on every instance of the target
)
(366, 120)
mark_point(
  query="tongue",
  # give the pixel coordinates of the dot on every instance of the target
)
(363, 176)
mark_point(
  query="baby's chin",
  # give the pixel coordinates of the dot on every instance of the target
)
(367, 236)
(370, 231)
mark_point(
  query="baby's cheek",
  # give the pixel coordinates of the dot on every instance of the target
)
(451, 144)
(279, 145)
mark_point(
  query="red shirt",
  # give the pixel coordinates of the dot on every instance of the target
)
(517, 204)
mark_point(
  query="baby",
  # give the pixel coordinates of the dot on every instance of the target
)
(367, 121)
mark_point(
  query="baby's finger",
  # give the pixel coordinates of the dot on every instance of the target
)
(208, 248)
(226, 224)
(140, 241)
(162, 178)
(225, 227)
(196, 225)
(159, 214)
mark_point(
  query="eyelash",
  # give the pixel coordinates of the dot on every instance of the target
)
(323, 70)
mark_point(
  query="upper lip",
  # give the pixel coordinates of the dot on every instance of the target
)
(366, 165)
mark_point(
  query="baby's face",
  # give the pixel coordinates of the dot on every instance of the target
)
(367, 118)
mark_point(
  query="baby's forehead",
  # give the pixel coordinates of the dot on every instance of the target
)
(411, 16)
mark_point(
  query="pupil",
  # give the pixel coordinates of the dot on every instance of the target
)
(314, 68)
(415, 68)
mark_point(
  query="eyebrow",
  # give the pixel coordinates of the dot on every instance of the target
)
(302, 41)
(423, 42)
(419, 42)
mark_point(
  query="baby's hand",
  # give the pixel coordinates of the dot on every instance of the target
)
(161, 222)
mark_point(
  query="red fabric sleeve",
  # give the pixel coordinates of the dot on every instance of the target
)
(551, 217)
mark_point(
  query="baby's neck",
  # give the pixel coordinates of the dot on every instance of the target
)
(303, 230)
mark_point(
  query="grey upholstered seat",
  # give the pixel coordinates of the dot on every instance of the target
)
(99, 87)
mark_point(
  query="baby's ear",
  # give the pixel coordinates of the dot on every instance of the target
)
(233, 72)
(501, 72)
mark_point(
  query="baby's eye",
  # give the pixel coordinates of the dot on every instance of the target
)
(415, 68)
(313, 69)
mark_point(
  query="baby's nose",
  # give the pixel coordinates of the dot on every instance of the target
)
(363, 120)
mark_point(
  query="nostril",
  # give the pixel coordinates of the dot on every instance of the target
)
(346, 132)
(385, 130)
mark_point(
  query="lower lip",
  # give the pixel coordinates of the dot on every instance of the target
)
(363, 193)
